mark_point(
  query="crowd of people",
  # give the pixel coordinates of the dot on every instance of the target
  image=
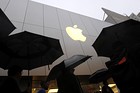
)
(123, 66)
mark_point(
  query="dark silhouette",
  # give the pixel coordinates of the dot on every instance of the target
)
(68, 83)
(11, 84)
(125, 69)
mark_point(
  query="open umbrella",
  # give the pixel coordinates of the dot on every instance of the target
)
(29, 50)
(127, 32)
(67, 64)
(6, 26)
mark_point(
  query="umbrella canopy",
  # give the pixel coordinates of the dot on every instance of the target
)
(67, 64)
(29, 50)
(100, 76)
(75, 60)
(127, 32)
(6, 26)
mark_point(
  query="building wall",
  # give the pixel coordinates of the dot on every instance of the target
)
(52, 22)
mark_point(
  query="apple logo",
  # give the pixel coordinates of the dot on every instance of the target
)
(75, 33)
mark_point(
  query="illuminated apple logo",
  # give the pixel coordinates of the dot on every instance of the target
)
(75, 33)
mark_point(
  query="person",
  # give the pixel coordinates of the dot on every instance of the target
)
(11, 84)
(106, 88)
(43, 87)
(127, 73)
(68, 83)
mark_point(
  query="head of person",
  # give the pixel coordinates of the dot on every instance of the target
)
(15, 71)
(70, 70)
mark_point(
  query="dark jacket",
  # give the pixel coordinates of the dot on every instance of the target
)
(68, 83)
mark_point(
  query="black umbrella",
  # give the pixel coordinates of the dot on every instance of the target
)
(29, 50)
(6, 26)
(100, 76)
(125, 34)
(67, 64)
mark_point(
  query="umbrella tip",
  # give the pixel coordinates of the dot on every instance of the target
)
(89, 56)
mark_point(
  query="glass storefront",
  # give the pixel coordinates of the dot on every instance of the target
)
(34, 82)
(86, 86)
